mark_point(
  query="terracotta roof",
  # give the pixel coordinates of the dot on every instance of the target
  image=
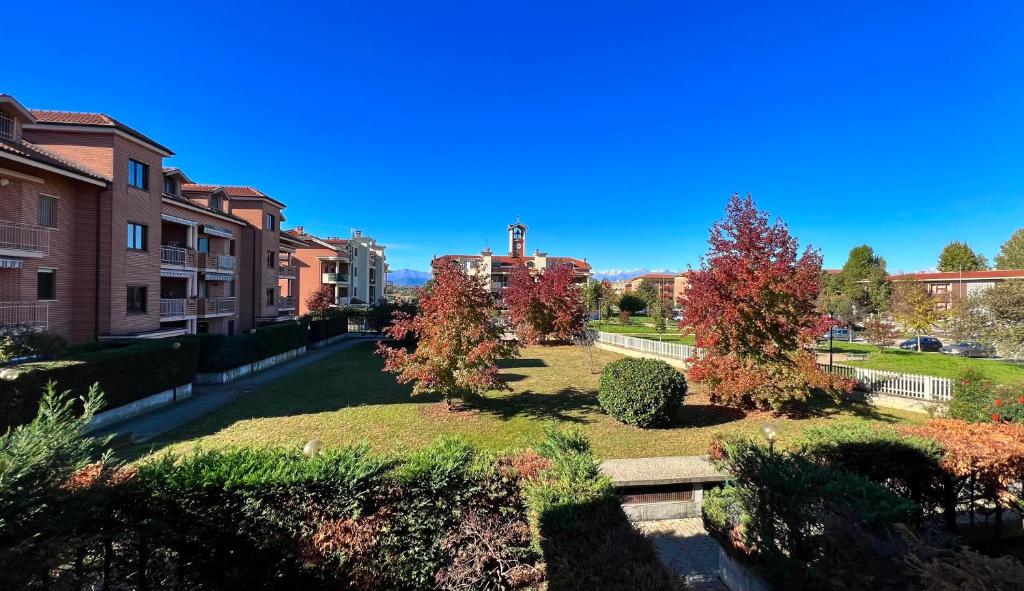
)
(189, 203)
(335, 240)
(91, 120)
(577, 262)
(957, 275)
(197, 188)
(655, 276)
(234, 191)
(44, 156)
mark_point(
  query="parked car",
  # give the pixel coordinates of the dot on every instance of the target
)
(927, 344)
(838, 334)
(968, 349)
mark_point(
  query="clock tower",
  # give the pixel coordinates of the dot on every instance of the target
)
(517, 239)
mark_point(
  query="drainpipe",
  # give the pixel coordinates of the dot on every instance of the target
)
(255, 265)
(96, 266)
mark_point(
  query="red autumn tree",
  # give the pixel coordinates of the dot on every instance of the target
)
(320, 301)
(458, 342)
(752, 305)
(545, 305)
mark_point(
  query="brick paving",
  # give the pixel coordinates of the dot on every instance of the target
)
(687, 549)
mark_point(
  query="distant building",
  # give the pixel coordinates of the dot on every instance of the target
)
(355, 268)
(671, 285)
(947, 288)
(498, 268)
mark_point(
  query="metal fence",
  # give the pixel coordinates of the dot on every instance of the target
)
(905, 385)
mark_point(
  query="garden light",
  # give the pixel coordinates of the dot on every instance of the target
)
(312, 447)
(769, 433)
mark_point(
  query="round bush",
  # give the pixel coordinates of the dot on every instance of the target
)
(642, 392)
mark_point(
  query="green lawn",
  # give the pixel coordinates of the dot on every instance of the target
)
(933, 364)
(346, 398)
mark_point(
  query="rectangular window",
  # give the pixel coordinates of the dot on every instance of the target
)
(138, 175)
(215, 202)
(46, 284)
(170, 186)
(270, 297)
(204, 245)
(136, 299)
(270, 222)
(47, 211)
(270, 259)
(6, 127)
(137, 236)
(231, 247)
(231, 288)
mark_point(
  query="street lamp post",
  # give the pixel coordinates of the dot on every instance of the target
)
(831, 316)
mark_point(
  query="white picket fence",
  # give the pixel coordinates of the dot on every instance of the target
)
(905, 385)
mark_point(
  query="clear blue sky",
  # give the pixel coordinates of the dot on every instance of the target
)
(616, 130)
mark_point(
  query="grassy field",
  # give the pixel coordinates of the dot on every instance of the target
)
(346, 398)
(932, 364)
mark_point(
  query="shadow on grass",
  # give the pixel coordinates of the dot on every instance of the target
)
(521, 362)
(821, 406)
(567, 405)
(706, 415)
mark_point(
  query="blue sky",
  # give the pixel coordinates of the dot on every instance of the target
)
(616, 130)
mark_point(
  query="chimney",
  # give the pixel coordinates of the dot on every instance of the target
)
(300, 229)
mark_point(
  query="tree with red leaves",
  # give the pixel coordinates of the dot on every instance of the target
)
(545, 305)
(320, 301)
(752, 306)
(458, 342)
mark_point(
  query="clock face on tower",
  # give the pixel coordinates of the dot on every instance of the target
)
(517, 240)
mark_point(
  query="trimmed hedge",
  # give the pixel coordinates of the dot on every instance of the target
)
(321, 330)
(642, 392)
(219, 352)
(124, 373)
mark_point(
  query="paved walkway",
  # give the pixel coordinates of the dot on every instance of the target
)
(207, 398)
(687, 549)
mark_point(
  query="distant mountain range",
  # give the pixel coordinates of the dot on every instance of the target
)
(619, 274)
(414, 278)
(408, 277)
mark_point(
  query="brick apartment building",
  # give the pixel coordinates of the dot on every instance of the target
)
(355, 268)
(672, 286)
(498, 268)
(99, 240)
(948, 287)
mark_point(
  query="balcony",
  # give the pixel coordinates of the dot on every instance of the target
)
(177, 308)
(221, 262)
(178, 256)
(35, 315)
(286, 303)
(334, 278)
(216, 307)
(24, 240)
(286, 271)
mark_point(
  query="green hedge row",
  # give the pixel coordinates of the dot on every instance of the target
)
(321, 330)
(124, 372)
(219, 352)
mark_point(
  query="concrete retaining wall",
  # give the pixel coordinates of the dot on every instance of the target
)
(736, 576)
(330, 341)
(141, 406)
(224, 377)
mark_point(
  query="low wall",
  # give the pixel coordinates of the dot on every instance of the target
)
(138, 407)
(224, 377)
(736, 576)
(329, 341)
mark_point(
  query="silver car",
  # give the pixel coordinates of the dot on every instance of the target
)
(968, 349)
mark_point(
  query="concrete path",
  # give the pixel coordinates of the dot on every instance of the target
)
(687, 550)
(207, 398)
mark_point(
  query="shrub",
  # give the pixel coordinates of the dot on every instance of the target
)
(125, 374)
(27, 342)
(972, 397)
(799, 521)
(219, 352)
(642, 392)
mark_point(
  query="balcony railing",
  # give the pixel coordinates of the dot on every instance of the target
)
(177, 307)
(31, 314)
(334, 278)
(176, 255)
(25, 237)
(221, 262)
(286, 303)
(214, 306)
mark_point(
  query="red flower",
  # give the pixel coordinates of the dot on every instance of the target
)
(996, 417)
(999, 402)
(1021, 400)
